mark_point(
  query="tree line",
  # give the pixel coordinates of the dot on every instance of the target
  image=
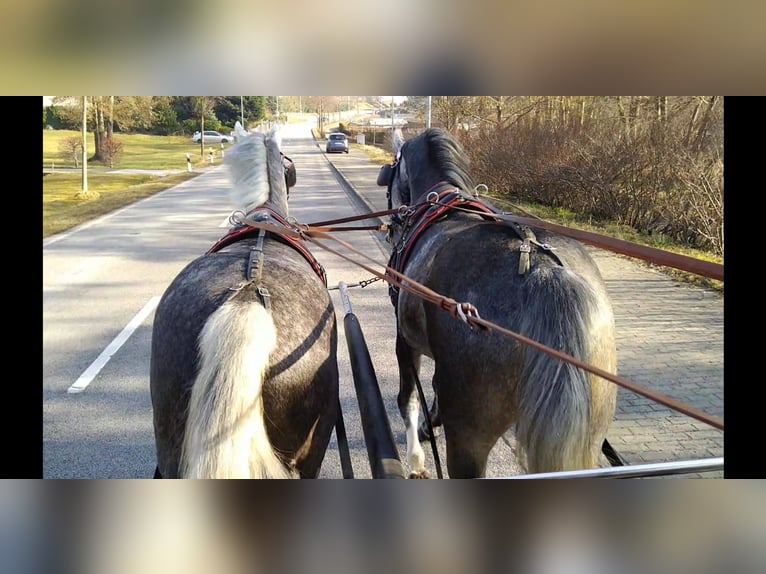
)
(654, 163)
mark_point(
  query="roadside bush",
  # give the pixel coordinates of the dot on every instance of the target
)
(72, 147)
(656, 185)
(112, 151)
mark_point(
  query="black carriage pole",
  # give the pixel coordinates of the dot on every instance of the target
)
(340, 434)
(381, 449)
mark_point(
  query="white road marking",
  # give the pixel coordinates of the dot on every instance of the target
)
(90, 373)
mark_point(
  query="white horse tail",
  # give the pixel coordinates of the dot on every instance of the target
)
(225, 430)
(557, 428)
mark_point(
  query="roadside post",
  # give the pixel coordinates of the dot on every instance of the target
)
(188, 162)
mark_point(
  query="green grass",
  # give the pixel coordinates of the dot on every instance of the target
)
(64, 204)
(139, 151)
(63, 208)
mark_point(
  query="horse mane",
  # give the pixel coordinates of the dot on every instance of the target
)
(257, 173)
(450, 157)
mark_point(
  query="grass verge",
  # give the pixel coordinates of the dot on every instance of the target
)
(63, 208)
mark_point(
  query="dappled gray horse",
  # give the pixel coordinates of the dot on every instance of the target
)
(540, 285)
(244, 375)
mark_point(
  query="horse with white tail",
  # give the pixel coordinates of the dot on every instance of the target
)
(244, 374)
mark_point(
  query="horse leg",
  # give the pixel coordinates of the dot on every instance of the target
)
(424, 433)
(409, 405)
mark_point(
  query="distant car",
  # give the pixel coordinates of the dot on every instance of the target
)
(337, 143)
(212, 137)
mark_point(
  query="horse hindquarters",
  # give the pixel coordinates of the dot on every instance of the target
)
(564, 411)
(225, 432)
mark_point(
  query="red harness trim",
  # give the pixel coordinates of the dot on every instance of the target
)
(427, 214)
(245, 231)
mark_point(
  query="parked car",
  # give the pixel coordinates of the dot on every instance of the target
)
(337, 143)
(212, 137)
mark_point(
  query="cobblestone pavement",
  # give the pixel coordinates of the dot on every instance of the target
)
(670, 340)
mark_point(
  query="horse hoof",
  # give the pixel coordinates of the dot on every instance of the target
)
(421, 474)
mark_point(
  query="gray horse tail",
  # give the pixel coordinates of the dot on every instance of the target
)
(225, 430)
(559, 426)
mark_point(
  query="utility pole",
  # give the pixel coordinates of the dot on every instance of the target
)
(85, 143)
(392, 115)
(428, 113)
(242, 111)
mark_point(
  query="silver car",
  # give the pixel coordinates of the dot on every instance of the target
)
(337, 143)
(212, 137)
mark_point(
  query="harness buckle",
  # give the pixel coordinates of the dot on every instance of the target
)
(524, 257)
(263, 293)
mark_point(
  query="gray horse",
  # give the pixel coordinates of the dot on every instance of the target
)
(543, 286)
(244, 374)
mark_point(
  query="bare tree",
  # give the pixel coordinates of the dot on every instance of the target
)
(72, 146)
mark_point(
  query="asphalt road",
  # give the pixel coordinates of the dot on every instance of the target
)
(102, 281)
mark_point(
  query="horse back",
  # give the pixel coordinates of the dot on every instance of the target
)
(478, 262)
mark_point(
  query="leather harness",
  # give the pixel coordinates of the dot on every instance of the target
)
(419, 219)
(254, 266)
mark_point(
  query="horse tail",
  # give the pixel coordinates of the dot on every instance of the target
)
(225, 430)
(557, 428)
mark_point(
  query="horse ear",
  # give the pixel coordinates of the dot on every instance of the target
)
(398, 140)
(240, 131)
(276, 135)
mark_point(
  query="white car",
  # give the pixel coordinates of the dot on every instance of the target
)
(212, 137)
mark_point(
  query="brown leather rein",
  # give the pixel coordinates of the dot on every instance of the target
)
(645, 253)
(464, 311)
